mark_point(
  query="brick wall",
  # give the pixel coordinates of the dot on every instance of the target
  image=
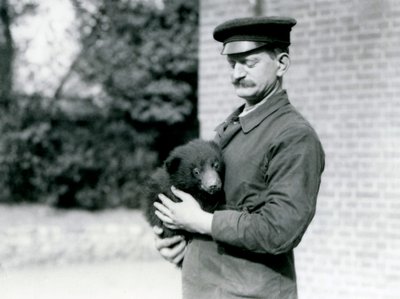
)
(345, 78)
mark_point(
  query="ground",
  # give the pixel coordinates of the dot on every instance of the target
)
(48, 253)
(138, 279)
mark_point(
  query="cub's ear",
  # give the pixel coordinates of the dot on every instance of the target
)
(172, 164)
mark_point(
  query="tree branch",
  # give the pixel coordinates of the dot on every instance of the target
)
(6, 54)
(87, 43)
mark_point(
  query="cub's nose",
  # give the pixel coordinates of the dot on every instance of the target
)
(214, 188)
(211, 182)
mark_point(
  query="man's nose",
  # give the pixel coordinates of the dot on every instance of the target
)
(238, 71)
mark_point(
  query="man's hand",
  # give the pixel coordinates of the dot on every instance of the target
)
(186, 215)
(172, 249)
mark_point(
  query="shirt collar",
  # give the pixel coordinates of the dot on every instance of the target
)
(252, 119)
(249, 109)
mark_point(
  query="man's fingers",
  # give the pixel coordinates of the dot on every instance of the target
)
(181, 194)
(157, 230)
(180, 256)
(166, 201)
(165, 215)
(175, 252)
(171, 226)
(165, 219)
(167, 242)
(163, 209)
(178, 192)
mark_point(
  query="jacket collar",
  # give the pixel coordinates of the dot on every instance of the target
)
(251, 120)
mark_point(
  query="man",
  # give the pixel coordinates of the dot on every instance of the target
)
(274, 161)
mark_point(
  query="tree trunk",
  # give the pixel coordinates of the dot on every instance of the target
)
(6, 55)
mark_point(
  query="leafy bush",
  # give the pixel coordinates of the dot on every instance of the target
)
(87, 161)
(95, 150)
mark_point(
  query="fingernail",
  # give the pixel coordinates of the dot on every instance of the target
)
(173, 188)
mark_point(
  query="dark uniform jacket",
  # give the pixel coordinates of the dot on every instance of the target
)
(274, 161)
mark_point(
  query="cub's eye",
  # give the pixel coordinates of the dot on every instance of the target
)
(215, 165)
(196, 172)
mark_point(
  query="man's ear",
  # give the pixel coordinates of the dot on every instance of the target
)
(283, 61)
(172, 164)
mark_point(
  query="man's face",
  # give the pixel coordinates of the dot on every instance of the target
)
(253, 75)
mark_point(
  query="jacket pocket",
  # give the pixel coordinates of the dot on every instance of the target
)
(249, 279)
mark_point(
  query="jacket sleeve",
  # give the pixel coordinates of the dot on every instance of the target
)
(295, 162)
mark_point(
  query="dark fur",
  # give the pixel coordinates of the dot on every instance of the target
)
(178, 170)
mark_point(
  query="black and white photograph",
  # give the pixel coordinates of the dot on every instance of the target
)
(198, 149)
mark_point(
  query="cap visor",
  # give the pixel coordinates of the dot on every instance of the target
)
(240, 47)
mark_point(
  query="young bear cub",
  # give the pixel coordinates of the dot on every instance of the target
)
(196, 168)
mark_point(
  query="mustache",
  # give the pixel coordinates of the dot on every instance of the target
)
(242, 83)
